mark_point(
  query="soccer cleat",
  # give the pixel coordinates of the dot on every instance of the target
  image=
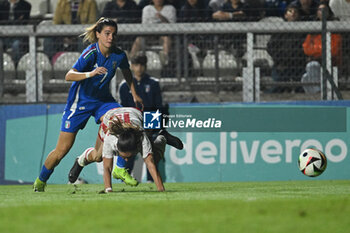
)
(74, 172)
(123, 174)
(39, 186)
(172, 140)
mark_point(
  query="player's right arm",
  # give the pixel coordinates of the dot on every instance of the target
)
(108, 152)
(107, 170)
(75, 75)
(84, 67)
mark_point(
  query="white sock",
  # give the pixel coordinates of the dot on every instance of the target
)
(83, 158)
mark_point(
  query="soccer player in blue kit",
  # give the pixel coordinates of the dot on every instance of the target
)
(89, 94)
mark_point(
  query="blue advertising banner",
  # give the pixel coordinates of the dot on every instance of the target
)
(252, 143)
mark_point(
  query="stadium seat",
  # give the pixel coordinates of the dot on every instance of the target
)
(101, 5)
(62, 62)
(154, 65)
(227, 64)
(193, 50)
(261, 40)
(43, 64)
(262, 59)
(65, 61)
(46, 22)
(9, 67)
(53, 4)
(39, 8)
(272, 19)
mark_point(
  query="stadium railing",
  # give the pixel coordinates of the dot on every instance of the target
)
(205, 56)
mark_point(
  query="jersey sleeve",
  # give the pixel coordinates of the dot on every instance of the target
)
(171, 14)
(158, 101)
(125, 96)
(146, 146)
(86, 61)
(124, 63)
(109, 146)
(146, 14)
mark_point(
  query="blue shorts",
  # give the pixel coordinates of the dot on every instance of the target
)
(75, 119)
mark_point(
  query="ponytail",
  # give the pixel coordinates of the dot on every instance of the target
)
(90, 33)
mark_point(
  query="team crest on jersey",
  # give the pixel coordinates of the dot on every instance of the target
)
(67, 124)
(147, 88)
(114, 65)
(151, 120)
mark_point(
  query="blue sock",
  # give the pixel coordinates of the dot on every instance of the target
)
(120, 162)
(45, 174)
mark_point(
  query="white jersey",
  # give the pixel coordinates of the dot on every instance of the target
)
(149, 14)
(128, 115)
(340, 8)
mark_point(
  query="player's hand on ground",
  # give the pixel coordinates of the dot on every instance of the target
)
(104, 191)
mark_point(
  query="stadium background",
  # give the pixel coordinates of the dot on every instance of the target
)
(32, 95)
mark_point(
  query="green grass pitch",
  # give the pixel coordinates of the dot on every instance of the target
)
(291, 206)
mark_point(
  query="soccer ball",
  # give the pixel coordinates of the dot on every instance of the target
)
(312, 162)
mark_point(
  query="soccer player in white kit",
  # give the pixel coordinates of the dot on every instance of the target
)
(122, 135)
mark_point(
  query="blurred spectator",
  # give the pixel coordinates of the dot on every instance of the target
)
(216, 5)
(194, 11)
(340, 8)
(148, 89)
(123, 11)
(15, 12)
(232, 10)
(176, 3)
(254, 9)
(75, 12)
(308, 9)
(276, 7)
(287, 52)
(70, 12)
(157, 12)
(143, 3)
(313, 48)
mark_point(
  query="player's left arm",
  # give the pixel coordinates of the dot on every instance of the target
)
(128, 78)
(108, 153)
(147, 155)
(151, 166)
(157, 95)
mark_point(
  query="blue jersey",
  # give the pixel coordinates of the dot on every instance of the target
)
(96, 88)
(148, 89)
(92, 96)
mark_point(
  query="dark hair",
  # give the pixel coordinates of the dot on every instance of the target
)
(105, 22)
(129, 136)
(139, 59)
(292, 6)
(90, 32)
(330, 13)
(164, 3)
